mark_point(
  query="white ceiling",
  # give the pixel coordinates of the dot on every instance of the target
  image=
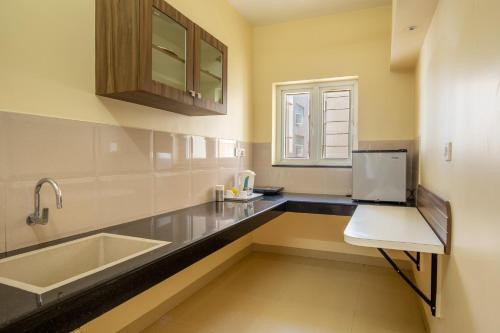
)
(405, 43)
(261, 12)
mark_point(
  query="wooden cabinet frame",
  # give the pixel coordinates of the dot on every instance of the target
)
(124, 58)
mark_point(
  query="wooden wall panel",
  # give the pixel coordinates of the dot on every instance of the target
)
(437, 213)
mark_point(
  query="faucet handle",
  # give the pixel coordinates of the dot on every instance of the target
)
(34, 219)
(31, 219)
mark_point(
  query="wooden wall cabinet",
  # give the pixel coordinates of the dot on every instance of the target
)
(148, 53)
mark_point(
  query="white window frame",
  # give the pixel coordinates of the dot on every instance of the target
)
(316, 88)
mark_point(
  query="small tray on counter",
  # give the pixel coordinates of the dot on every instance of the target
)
(251, 197)
(268, 190)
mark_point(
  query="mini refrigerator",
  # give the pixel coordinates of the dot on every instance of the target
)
(379, 175)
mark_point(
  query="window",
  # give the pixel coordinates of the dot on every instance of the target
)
(315, 122)
(296, 133)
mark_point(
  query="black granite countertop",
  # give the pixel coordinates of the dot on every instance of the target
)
(194, 233)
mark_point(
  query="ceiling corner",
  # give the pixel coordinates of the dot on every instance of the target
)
(410, 21)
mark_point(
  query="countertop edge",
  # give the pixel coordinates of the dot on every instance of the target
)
(109, 294)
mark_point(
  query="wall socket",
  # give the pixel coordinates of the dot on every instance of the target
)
(447, 151)
(240, 152)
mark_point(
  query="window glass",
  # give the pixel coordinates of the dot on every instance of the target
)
(336, 118)
(296, 127)
(211, 72)
(168, 51)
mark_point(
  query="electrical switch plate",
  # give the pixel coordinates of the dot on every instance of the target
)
(240, 152)
(447, 151)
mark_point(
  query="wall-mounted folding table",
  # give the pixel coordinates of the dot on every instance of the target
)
(425, 228)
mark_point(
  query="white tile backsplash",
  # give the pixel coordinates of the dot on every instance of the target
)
(203, 152)
(37, 147)
(226, 176)
(79, 212)
(125, 198)
(172, 191)
(203, 186)
(111, 174)
(121, 150)
(108, 174)
(172, 152)
(302, 180)
(337, 181)
(3, 147)
(2, 217)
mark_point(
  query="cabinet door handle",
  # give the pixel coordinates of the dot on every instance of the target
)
(192, 93)
(198, 95)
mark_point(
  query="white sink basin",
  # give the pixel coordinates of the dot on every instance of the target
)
(54, 266)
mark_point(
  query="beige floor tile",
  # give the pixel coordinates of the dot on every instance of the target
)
(383, 279)
(388, 304)
(275, 293)
(220, 312)
(385, 324)
(299, 317)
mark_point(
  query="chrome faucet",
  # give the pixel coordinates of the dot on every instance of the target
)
(36, 217)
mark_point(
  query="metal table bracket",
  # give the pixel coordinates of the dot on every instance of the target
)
(430, 301)
(416, 260)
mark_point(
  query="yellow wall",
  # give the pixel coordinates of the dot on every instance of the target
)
(308, 231)
(316, 232)
(352, 43)
(459, 101)
(47, 67)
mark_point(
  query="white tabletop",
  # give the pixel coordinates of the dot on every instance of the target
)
(392, 227)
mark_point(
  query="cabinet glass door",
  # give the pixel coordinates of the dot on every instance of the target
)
(211, 73)
(169, 51)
